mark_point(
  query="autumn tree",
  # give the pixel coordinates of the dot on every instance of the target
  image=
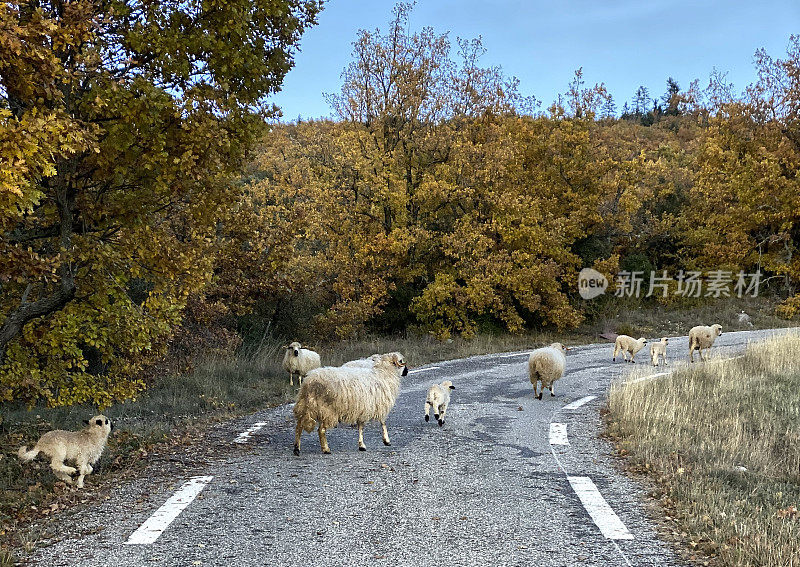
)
(121, 124)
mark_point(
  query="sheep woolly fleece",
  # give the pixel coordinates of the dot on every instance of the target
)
(438, 398)
(299, 360)
(659, 349)
(628, 345)
(702, 337)
(546, 364)
(351, 395)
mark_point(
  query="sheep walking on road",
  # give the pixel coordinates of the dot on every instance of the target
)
(352, 395)
(628, 345)
(546, 365)
(300, 361)
(659, 350)
(702, 337)
(438, 399)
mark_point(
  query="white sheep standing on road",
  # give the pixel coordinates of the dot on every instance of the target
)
(628, 345)
(659, 349)
(352, 395)
(702, 337)
(368, 362)
(438, 399)
(299, 360)
(547, 365)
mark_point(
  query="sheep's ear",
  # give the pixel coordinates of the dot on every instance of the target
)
(452, 387)
(86, 422)
(567, 348)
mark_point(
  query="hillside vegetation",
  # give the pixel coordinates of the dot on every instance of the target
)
(150, 211)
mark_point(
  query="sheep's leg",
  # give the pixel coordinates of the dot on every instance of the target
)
(299, 379)
(83, 470)
(552, 393)
(291, 378)
(361, 446)
(323, 440)
(298, 430)
(427, 411)
(385, 434)
(442, 411)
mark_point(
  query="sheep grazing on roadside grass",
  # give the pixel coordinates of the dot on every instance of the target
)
(352, 395)
(84, 447)
(659, 349)
(368, 362)
(702, 337)
(299, 360)
(438, 399)
(546, 365)
(628, 345)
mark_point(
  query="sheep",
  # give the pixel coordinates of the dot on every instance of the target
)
(546, 365)
(84, 447)
(368, 362)
(300, 360)
(438, 399)
(659, 349)
(702, 337)
(628, 345)
(744, 319)
(353, 395)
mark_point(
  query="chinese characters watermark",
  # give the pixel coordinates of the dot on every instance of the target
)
(713, 283)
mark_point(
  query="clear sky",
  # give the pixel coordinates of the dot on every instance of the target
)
(623, 43)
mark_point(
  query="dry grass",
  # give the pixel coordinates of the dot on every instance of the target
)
(722, 442)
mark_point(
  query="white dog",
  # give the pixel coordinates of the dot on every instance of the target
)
(84, 447)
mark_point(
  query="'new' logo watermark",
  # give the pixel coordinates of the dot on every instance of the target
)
(591, 283)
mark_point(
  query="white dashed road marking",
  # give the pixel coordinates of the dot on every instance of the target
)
(155, 525)
(244, 436)
(578, 403)
(512, 355)
(423, 369)
(558, 434)
(604, 517)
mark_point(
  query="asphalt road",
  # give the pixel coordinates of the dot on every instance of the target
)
(488, 488)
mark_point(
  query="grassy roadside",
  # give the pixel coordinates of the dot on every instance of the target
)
(721, 443)
(179, 407)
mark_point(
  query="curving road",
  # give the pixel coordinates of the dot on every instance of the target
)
(508, 480)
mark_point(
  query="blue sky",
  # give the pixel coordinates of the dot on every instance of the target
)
(623, 43)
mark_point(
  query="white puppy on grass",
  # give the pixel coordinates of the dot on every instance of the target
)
(84, 447)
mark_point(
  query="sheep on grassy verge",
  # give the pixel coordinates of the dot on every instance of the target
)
(368, 362)
(702, 337)
(438, 399)
(546, 365)
(628, 345)
(299, 360)
(352, 395)
(659, 349)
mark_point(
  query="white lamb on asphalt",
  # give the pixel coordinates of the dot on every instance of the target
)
(702, 337)
(628, 345)
(300, 361)
(546, 365)
(351, 395)
(659, 350)
(438, 399)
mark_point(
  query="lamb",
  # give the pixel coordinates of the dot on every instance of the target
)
(368, 362)
(702, 337)
(659, 349)
(84, 447)
(300, 360)
(546, 365)
(438, 399)
(628, 345)
(353, 395)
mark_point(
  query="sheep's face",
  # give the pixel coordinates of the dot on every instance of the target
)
(643, 340)
(99, 423)
(397, 360)
(447, 384)
(559, 346)
(294, 348)
(717, 329)
(665, 340)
